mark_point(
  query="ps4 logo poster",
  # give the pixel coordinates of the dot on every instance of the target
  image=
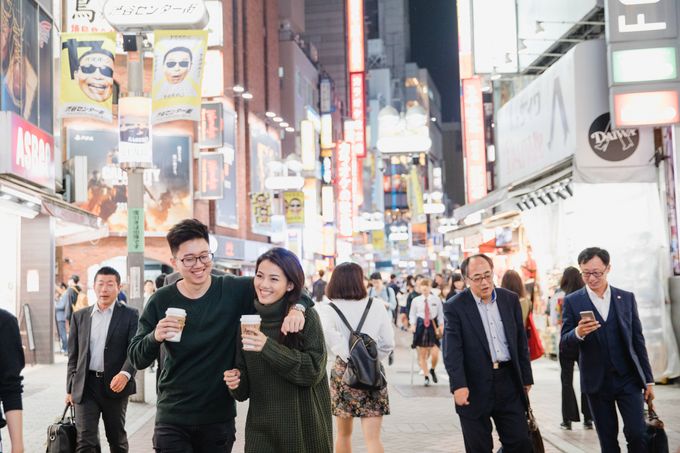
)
(613, 145)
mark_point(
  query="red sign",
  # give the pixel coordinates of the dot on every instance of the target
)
(32, 153)
(358, 110)
(345, 195)
(211, 175)
(212, 125)
(650, 108)
(355, 35)
(473, 136)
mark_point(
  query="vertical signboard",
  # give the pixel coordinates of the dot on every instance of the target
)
(345, 196)
(355, 36)
(358, 110)
(226, 207)
(211, 175)
(211, 131)
(642, 54)
(473, 136)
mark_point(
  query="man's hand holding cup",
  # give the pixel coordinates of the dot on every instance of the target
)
(170, 328)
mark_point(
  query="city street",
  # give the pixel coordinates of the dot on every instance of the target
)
(422, 419)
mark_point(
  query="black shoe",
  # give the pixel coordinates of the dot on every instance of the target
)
(588, 424)
(427, 381)
(434, 376)
(566, 426)
(390, 358)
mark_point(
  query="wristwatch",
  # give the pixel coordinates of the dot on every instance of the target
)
(299, 307)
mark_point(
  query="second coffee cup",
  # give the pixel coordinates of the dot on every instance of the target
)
(180, 315)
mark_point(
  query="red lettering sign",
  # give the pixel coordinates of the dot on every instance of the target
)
(358, 110)
(344, 186)
(32, 152)
(475, 147)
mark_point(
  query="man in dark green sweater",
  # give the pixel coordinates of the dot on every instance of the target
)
(195, 412)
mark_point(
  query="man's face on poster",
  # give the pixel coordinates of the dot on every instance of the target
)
(295, 206)
(95, 76)
(176, 66)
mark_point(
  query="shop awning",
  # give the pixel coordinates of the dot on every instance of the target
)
(73, 225)
(545, 177)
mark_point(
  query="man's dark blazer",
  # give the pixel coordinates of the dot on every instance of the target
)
(467, 356)
(121, 330)
(590, 360)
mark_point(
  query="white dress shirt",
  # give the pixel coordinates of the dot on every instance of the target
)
(601, 303)
(418, 309)
(378, 325)
(99, 329)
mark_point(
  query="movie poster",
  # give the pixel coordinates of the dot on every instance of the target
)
(19, 50)
(294, 202)
(167, 185)
(179, 57)
(87, 62)
(261, 205)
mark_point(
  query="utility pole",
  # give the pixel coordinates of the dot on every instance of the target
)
(135, 197)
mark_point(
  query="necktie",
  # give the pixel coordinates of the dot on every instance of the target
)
(427, 313)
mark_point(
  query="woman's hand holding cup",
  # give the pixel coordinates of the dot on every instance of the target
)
(232, 378)
(253, 340)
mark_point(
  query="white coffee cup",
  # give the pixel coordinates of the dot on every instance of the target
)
(250, 323)
(180, 314)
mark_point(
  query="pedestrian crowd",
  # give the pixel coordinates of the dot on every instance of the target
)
(305, 360)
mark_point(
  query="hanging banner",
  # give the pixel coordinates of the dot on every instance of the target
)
(261, 206)
(294, 202)
(415, 196)
(87, 61)
(179, 57)
(135, 131)
(211, 130)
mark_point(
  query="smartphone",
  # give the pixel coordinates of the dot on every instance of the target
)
(589, 315)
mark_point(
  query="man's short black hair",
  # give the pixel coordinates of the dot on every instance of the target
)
(186, 230)
(178, 49)
(376, 276)
(75, 278)
(392, 276)
(321, 273)
(107, 270)
(592, 252)
(466, 262)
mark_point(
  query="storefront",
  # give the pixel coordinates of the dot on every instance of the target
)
(577, 183)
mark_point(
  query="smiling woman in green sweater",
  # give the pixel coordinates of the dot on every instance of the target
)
(284, 377)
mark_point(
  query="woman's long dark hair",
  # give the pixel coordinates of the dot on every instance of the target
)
(513, 282)
(571, 280)
(292, 269)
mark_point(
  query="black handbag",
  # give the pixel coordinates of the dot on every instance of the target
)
(364, 370)
(534, 433)
(657, 441)
(61, 436)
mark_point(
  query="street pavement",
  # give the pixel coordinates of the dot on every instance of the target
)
(423, 419)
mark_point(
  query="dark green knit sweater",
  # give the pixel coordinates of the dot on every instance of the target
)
(290, 406)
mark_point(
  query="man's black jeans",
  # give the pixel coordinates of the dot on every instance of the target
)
(212, 438)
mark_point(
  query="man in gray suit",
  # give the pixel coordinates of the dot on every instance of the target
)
(100, 377)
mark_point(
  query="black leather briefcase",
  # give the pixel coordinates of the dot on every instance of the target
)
(61, 436)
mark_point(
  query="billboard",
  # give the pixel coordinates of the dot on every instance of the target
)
(167, 184)
(226, 213)
(179, 58)
(87, 64)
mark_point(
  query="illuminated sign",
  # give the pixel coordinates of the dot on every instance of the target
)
(325, 96)
(345, 195)
(147, 15)
(355, 36)
(475, 148)
(643, 65)
(326, 131)
(358, 110)
(327, 204)
(642, 56)
(211, 175)
(211, 132)
(32, 150)
(307, 145)
(646, 109)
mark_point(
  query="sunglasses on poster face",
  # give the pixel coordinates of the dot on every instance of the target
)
(103, 70)
(172, 64)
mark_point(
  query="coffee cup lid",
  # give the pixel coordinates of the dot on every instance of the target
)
(175, 312)
(250, 319)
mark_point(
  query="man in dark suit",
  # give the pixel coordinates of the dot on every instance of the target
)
(100, 377)
(613, 360)
(487, 359)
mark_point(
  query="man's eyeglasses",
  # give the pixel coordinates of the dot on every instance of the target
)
(478, 278)
(103, 70)
(190, 261)
(172, 64)
(596, 274)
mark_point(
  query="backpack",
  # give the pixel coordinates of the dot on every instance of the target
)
(364, 370)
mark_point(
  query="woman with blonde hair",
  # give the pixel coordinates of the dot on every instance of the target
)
(347, 292)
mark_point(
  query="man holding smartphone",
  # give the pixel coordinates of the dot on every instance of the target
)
(602, 323)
